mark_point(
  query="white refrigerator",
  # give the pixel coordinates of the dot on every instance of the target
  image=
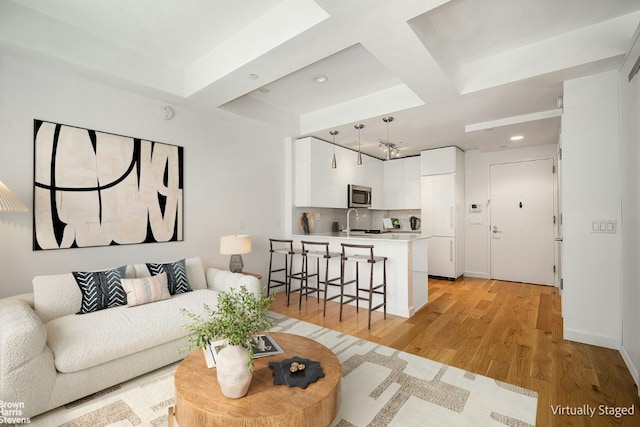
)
(442, 199)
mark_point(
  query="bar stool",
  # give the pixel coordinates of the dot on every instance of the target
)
(318, 251)
(282, 247)
(380, 289)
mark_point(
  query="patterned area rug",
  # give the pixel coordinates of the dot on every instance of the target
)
(380, 387)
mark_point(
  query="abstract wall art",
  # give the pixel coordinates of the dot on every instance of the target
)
(95, 188)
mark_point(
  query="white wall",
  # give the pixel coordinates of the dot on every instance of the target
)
(477, 191)
(233, 178)
(630, 136)
(591, 190)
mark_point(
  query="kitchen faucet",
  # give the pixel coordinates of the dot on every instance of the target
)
(348, 213)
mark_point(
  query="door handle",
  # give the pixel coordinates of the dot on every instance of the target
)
(495, 229)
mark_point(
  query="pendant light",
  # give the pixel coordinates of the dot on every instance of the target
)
(359, 126)
(334, 164)
(389, 147)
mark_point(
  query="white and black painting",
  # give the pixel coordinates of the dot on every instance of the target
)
(94, 188)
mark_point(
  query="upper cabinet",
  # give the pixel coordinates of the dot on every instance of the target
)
(440, 160)
(374, 178)
(402, 183)
(315, 180)
(395, 184)
(411, 179)
(318, 185)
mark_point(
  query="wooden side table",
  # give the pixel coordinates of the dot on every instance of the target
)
(258, 276)
(199, 402)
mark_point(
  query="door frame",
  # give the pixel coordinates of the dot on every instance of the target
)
(555, 209)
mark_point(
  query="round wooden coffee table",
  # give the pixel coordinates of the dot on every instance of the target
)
(199, 401)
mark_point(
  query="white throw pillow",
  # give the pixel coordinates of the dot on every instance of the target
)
(146, 289)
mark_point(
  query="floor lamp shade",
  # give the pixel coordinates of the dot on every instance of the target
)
(9, 202)
(235, 245)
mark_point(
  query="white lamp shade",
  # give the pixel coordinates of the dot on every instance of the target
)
(9, 202)
(235, 244)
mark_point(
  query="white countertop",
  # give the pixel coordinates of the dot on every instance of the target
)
(391, 237)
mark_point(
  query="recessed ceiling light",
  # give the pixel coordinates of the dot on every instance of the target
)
(253, 76)
(321, 78)
(517, 137)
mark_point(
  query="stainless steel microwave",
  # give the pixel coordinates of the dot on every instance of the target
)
(358, 196)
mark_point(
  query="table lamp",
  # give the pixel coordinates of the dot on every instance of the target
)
(9, 202)
(235, 245)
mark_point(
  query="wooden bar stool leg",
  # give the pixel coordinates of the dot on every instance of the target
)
(341, 286)
(384, 289)
(357, 287)
(326, 287)
(287, 267)
(269, 278)
(304, 281)
(370, 291)
(317, 288)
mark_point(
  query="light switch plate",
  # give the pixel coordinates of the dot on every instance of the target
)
(604, 226)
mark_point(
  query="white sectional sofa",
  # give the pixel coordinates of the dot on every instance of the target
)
(50, 356)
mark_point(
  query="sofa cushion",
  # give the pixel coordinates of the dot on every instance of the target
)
(224, 280)
(100, 289)
(195, 272)
(57, 295)
(144, 290)
(121, 330)
(176, 275)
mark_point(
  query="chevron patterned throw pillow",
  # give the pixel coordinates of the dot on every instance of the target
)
(176, 275)
(100, 289)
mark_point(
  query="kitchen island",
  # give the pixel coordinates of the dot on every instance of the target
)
(407, 276)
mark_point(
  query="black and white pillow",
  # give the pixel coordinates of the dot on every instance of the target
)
(176, 275)
(100, 289)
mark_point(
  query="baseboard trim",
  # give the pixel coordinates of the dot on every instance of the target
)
(592, 339)
(630, 366)
(476, 275)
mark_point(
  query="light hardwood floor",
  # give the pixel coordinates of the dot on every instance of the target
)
(504, 330)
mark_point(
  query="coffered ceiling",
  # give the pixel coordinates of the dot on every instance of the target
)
(462, 72)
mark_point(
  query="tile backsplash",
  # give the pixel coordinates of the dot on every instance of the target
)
(321, 219)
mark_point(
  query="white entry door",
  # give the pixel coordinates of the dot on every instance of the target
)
(522, 221)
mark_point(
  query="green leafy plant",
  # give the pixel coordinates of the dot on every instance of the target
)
(238, 317)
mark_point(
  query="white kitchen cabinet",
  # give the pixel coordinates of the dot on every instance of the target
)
(412, 184)
(318, 185)
(374, 178)
(345, 172)
(438, 195)
(443, 214)
(314, 177)
(393, 184)
(440, 160)
(402, 183)
(441, 256)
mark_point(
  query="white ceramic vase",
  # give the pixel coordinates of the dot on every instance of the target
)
(233, 373)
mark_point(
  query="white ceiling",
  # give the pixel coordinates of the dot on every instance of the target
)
(462, 72)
